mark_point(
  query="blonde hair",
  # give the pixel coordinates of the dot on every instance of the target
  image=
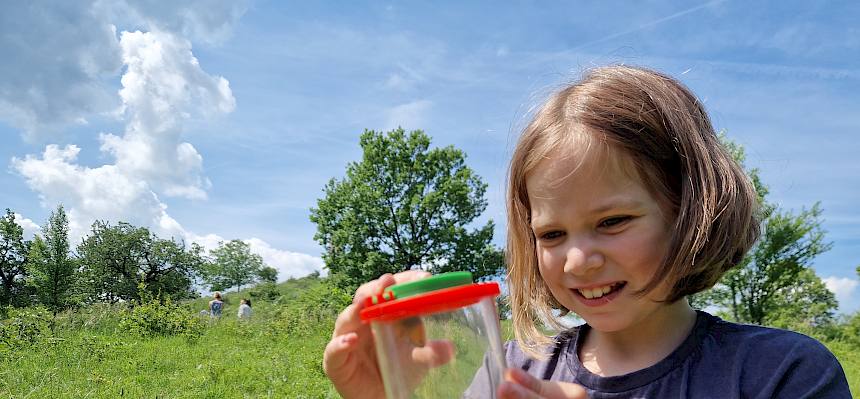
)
(662, 129)
(217, 295)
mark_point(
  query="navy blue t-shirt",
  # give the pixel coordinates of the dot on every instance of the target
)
(718, 360)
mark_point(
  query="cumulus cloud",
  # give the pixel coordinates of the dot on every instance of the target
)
(844, 288)
(162, 86)
(30, 227)
(60, 58)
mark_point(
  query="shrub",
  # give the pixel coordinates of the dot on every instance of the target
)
(154, 317)
(264, 291)
(24, 327)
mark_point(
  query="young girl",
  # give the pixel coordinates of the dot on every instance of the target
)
(621, 203)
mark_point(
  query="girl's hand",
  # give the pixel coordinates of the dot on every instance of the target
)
(521, 385)
(349, 359)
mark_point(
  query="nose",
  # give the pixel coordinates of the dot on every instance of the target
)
(582, 258)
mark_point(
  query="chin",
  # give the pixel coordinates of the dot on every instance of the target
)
(606, 322)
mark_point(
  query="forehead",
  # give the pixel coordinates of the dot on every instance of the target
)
(587, 163)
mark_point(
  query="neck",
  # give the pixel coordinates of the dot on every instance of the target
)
(640, 346)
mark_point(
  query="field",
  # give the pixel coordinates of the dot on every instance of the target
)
(275, 355)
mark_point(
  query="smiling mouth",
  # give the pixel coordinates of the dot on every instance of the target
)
(599, 292)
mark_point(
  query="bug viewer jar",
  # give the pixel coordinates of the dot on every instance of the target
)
(437, 337)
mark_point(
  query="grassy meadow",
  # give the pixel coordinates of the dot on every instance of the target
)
(93, 354)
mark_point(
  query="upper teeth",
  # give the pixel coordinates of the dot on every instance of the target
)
(596, 292)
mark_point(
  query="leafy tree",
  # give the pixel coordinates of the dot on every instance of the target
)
(233, 265)
(50, 268)
(13, 257)
(268, 275)
(775, 284)
(117, 259)
(405, 206)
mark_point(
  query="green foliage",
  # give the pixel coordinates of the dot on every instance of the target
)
(50, 268)
(115, 259)
(404, 206)
(21, 328)
(233, 265)
(13, 256)
(268, 274)
(316, 306)
(264, 291)
(157, 317)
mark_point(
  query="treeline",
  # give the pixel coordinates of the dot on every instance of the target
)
(114, 263)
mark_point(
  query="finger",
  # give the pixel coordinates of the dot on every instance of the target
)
(337, 353)
(347, 321)
(373, 287)
(410, 275)
(434, 354)
(512, 390)
(546, 389)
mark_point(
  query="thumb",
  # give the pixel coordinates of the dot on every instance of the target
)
(336, 355)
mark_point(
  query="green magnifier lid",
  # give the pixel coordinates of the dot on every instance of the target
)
(432, 283)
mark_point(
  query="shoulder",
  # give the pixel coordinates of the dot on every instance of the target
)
(776, 361)
(759, 340)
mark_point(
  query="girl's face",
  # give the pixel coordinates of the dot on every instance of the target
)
(600, 236)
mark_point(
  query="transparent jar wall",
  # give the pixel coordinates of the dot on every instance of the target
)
(455, 354)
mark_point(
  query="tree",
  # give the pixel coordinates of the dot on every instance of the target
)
(50, 268)
(405, 206)
(233, 265)
(13, 256)
(775, 284)
(115, 260)
(268, 275)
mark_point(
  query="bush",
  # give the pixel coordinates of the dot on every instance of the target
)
(162, 318)
(24, 327)
(264, 291)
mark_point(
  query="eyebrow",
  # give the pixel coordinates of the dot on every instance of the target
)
(624, 203)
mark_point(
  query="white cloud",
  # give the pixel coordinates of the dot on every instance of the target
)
(30, 227)
(60, 58)
(411, 115)
(844, 288)
(62, 78)
(289, 264)
(163, 85)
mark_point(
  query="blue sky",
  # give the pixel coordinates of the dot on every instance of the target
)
(216, 120)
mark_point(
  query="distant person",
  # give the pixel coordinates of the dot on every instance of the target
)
(244, 309)
(215, 306)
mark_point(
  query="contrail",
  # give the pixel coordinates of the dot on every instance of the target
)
(650, 24)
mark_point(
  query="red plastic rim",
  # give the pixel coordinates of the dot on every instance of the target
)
(431, 302)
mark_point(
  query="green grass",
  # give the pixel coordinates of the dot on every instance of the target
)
(276, 355)
(230, 360)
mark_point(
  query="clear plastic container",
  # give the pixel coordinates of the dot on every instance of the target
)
(438, 338)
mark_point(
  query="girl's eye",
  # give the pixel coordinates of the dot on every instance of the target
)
(550, 235)
(613, 221)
